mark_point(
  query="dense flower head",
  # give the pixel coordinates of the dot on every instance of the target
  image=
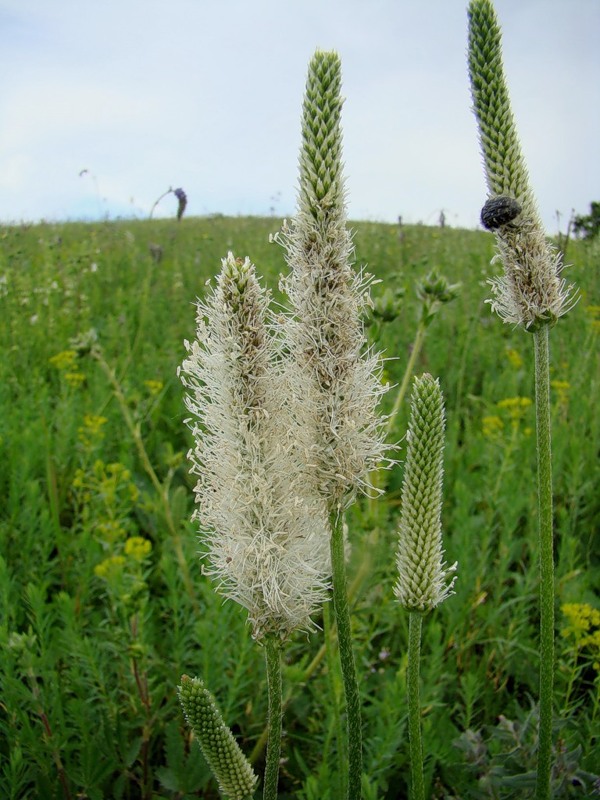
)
(233, 772)
(265, 534)
(531, 292)
(422, 573)
(334, 380)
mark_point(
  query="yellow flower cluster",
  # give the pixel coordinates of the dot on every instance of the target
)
(106, 494)
(91, 430)
(138, 548)
(583, 625)
(110, 568)
(516, 406)
(154, 387)
(111, 530)
(514, 358)
(492, 426)
(65, 362)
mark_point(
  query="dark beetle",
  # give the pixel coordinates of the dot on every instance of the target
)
(498, 211)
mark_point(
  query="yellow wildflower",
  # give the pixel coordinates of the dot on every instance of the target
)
(581, 618)
(516, 407)
(91, 429)
(111, 530)
(154, 387)
(74, 379)
(65, 360)
(110, 568)
(584, 627)
(492, 426)
(514, 358)
(138, 548)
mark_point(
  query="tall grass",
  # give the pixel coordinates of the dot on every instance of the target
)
(95, 633)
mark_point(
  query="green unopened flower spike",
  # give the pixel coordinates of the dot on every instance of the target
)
(422, 573)
(531, 292)
(233, 772)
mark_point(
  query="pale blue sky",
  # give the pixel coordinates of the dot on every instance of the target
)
(206, 95)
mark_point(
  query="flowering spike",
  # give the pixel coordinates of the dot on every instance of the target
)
(531, 293)
(235, 776)
(266, 539)
(335, 384)
(422, 573)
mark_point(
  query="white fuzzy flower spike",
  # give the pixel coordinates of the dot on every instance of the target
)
(334, 380)
(266, 539)
(422, 573)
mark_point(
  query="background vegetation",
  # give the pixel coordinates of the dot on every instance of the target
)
(103, 604)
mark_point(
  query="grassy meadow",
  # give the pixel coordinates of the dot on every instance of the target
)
(103, 602)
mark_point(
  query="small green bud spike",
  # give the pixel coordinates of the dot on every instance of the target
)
(422, 574)
(233, 772)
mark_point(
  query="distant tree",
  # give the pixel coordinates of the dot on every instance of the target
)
(588, 226)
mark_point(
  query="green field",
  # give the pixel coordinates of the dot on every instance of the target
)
(104, 605)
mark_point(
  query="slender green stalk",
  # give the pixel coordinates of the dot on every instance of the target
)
(544, 463)
(414, 354)
(333, 676)
(273, 661)
(414, 706)
(351, 691)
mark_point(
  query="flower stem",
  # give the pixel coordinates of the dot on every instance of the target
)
(333, 680)
(544, 462)
(273, 661)
(414, 706)
(342, 618)
(414, 354)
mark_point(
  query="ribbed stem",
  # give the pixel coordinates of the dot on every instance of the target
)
(544, 462)
(414, 706)
(273, 661)
(351, 691)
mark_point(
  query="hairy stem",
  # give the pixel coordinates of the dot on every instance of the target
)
(544, 462)
(342, 618)
(333, 680)
(273, 660)
(414, 706)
